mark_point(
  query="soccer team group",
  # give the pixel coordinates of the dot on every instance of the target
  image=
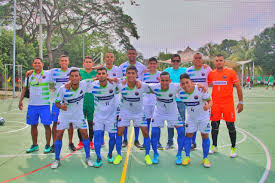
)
(110, 97)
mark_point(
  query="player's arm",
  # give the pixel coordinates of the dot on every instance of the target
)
(240, 96)
(207, 104)
(201, 87)
(58, 100)
(20, 105)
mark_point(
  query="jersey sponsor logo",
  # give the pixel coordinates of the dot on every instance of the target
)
(62, 80)
(170, 95)
(203, 74)
(224, 77)
(219, 82)
(105, 97)
(114, 74)
(191, 103)
(151, 82)
(43, 77)
(111, 91)
(196, 97)
(165, 100)
(199, 80)
(130, 99)
(76, 99)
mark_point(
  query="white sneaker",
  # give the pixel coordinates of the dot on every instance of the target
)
(55, 164)
(233, 153)
(213, 149)
(89, 162)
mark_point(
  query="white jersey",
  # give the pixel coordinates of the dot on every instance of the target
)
(199, 76)
(74, 101)
(166, 104)
(114, 72)
(39, 88)
(194, 103)
(131, 104)
(148, 78)
(140, 67)
(105, 101)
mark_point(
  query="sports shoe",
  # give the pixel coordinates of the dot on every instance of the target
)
(169, 146)
(137, 144)
(79, 145)
(117, 160)
(213, 149)
(47, 149)
(178, 160)
(72, 147)
(32, 149)
(110, 158)
(98, 163)
(186, 161)
(159, 146)
(142, 147)
(55, 164)
(206, 163)
(193, 147)
(156, 159)
(124, 143)
(233, 153)
(52, 149)
(89, 161)
(148, 160)
(92, 145)
(103, 144)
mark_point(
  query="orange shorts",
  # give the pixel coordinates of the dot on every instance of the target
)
(223, 111)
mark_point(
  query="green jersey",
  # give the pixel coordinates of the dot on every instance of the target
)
(259, 78)
(88, 97)
(271, 79)
(266, 79)
(251, 78)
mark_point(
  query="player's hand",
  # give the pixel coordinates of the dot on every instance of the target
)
(111, 80)
(206, 106)
(202, 88)
(97, 67)
(239, 108)
(205, 66)
(124, 82)
(64, 107)
(138, 84)
(20, 105)
(29, 73)
(68, 85)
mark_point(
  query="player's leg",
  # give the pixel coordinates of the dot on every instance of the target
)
(54, 115)
(111, 128)
(155, 136)
(70, 135)
(125, 139)
(145, 134)
(187, 148)
(148, 110)
(91, 133)
(45, 118)
(58, 146)
(120, 131)
(204, 127)
(194, 144)
(136, 143)
(86, 143)
(98, 130)
(32, 119)
(180, 140)
(216, 116)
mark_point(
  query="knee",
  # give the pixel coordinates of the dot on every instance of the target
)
(47, 127)
(231, 127)
(215, 125)
(59, 135)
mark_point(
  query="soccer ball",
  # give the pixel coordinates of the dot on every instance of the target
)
(2, 121)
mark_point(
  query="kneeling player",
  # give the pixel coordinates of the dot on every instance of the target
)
(71, 112)
(198, 117)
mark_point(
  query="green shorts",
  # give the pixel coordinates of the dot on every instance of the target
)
(88, 111)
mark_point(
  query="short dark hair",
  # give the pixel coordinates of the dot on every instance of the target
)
(164, 73)
(132, 49)
(184, 76)
(88, 57)
(175, 55)
(220, 55)
(131, 67)
(38, 58)
(62, 56)
(101, 69)
(75, 70)
(152, 59)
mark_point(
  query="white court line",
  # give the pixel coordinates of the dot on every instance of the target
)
(13, 131)
(8, 111)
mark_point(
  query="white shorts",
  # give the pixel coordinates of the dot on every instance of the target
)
(248, 83)
(265, 82)
(109, 125)
(270, 84)
(65, 124)
(149, 111)
(158, 121)
(137, 122)
(202, 125)
(259, 82)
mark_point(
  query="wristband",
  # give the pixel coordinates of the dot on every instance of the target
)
(240, 102)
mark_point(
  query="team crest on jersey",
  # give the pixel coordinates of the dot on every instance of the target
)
(81, 92)
(224, 77)
(43, 77)
(111, 91)
(170, 95)
(114, 74)
(186, 125)
(203, 74)
(196, 97)
(136, 93)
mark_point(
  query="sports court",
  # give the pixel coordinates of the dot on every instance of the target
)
(256, 149)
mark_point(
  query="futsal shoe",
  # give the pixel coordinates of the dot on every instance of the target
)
(148, 160)
(52, 149)
(193, 147)
(117, 160)
(178, 160)
(233, 153)
(55, 164)
(110, 158)
(47, 149)
(186, 161)
(72, 147)
(98, 163)
(79, 145)
(169, 146)
(156, 159)
(213, 149)
(32, 149)
(206, 163)
(159, 146)
(89, 161)
(137, 144)
(124, 143)
(92, 145)
(142, 147)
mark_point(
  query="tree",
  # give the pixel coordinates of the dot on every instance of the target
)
(227, 46)
(210, 50)
(69, 18)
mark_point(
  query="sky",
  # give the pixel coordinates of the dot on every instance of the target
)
(175, 24)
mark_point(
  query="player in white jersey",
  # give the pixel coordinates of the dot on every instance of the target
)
(71, 104)
(166, 109)
(132, 54)
(198, 74)
(131, 108)
(197, 104)
(39, 103)
(112, 70)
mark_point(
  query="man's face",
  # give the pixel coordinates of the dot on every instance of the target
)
(75, 77)
(88, 63)
(132, 54)
(152, 65)
(186, 84)
(102, 75)
(64, 62)
(175, 62)
(219, 62)
(37, 64)
(109, 58)
(197, 60)
(165, 81)
(131, 75)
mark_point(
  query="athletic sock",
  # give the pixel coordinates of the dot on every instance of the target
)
(57, 147)
(136, 133)
(194, 138)
(98, 142)
(187, 145)
(180, 140)
(118, 144)
(112, 141)
(205, 147)
(86, 145)
(102, 135)
(125, 134)
(148, 120)
(155, 138)
(147, 145)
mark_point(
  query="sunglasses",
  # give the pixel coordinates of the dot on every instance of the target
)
(178, 61)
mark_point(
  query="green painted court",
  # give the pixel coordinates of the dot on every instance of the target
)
(256, 150)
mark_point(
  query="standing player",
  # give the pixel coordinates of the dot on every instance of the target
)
(259, 80)
(131, 108)
(270, 81)
(166, 109)
(71, 104)
(39, 103)
(266, 80)
(132, 54)
(248, 82)
(223, 80)
(197, 104)
(198, 74)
